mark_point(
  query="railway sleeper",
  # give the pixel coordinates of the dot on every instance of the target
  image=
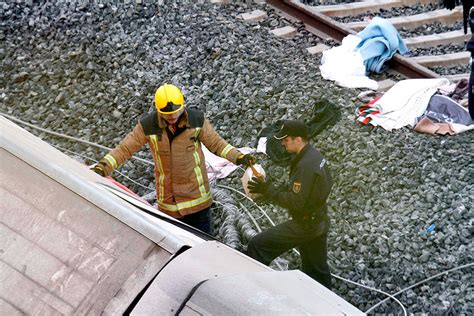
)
(410, 22)
(443, 60)
(356, 8)
(433, 40)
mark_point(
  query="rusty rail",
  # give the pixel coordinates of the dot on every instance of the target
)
(338, 31)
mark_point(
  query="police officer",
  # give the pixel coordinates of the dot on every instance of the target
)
(470, 48)
(305, 198)
(468, 19)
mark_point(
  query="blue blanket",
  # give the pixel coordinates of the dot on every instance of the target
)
(380, 41)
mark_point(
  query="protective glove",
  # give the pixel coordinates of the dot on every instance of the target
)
(246, 160)
(258, 185)
(99, 168)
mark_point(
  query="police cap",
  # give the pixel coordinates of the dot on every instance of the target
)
(293, 128)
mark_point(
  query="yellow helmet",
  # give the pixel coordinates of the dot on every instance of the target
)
(168, 99)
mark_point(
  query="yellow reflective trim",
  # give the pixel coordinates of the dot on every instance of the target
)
(226, 150)
(185, 205)
(198, 172)
(161, 178)
(167, 207)
(111, 160)
(197, 168)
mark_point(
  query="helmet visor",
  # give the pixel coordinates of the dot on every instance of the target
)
(171, 108)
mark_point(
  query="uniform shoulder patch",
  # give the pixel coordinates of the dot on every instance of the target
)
(296, 187)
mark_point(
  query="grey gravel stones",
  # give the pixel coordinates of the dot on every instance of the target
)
(91, 71)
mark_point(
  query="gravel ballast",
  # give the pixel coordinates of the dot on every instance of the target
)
(401, 206)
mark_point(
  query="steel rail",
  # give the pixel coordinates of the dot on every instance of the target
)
(338, 31)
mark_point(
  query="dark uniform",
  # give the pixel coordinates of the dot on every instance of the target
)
(468, 19)
(470, 48)
(305, 198)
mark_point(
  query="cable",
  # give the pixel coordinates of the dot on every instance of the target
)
(254, 221)
(243, 194)
(420, 282)
(262, 210)
(373, 289)
(69, 137)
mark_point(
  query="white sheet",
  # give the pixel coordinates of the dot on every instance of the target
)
(405, 101)
(345, 66)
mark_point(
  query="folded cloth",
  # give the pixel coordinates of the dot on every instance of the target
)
(407, 100)
(365, 112)
(443, 109)
(262, 145)
(218, 167)
(427, 126)
(459, 128)
(461, 90)
(380, 40)
(456, 91)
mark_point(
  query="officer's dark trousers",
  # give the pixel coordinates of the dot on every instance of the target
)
(471, 91)
(310, 238)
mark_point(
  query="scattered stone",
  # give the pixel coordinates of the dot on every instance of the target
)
(59, 98)
(21, 77)
(116, 114)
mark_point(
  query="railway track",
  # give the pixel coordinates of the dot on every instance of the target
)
(327, 22)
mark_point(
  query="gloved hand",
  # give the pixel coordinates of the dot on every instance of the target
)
(99, 168)
(246, 160)
(258, 185)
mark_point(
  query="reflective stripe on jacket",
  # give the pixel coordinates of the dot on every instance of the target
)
(182, 184)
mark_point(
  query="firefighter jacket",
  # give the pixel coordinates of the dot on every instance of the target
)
(182, 184)
(308, 186)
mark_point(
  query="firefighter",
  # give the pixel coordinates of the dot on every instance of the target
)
(174, 134)
(305, 198)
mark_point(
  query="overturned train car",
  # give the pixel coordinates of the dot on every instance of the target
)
(72, 242)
